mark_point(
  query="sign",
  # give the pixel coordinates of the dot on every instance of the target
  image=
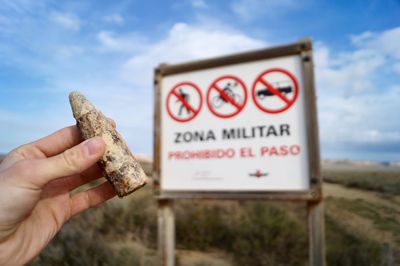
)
(235, 143)
(184, 102)
(226, 96)
(275, 90)
(232, 147)
(220, 150)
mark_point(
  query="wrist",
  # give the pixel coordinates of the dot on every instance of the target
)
(6, 254)
(12, 253)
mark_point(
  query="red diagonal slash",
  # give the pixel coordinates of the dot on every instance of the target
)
(275, 91)
(184, 102)
(226, 97)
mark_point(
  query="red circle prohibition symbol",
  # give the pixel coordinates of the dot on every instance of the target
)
(226, 96)
(272, 91)
(193, 110)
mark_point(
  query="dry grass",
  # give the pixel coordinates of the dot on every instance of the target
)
(123, 232)
(387, 182)
(362, 228)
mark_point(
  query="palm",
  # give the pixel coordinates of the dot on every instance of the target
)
(46, 209)
(40, 202)
(45, 220)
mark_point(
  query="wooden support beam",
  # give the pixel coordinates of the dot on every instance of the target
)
(166, 233)
(316, 233)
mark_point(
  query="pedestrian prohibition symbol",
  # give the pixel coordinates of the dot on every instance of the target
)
(275, 90)
(184, 102)
(226, 96)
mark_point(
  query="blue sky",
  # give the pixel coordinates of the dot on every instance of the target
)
(108, 50)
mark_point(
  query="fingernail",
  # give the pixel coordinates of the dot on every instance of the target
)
(94, 145)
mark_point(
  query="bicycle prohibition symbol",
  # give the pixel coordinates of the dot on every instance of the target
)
(226, 96)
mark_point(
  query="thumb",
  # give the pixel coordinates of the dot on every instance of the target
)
(72, 161)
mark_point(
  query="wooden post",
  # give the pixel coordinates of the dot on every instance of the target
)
(316, 233)
(166, 233)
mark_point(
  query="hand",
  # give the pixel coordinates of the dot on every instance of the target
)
(35, 184)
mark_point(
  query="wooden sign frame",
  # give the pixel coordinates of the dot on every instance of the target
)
(312, 196)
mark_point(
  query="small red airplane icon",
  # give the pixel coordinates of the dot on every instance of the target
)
(258, 174)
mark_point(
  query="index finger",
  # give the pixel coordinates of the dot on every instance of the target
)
(59, 141)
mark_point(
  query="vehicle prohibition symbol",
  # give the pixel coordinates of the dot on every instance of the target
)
(275, 90)
(226, 96)
(184, 102)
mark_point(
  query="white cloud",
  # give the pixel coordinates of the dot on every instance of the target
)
(252, 9)
(123, 90)
(20, 128)
(4, 21)
(386, 42)
(358, 104)
(353, 72)
(7, 116)
(360, 39)
(114, 18)
(5, 24)
(68, 51)
(348, 73)
(123, 43)
(126, 89)
(68, 21)
(20, 6)
(396, 68)
(354, 110)
(183, 43)
(198, 3)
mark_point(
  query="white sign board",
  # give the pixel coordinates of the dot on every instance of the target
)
(239, 127)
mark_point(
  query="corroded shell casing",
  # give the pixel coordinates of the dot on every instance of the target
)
(118, 164)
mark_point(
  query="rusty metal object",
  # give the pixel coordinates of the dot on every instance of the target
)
(118, 164)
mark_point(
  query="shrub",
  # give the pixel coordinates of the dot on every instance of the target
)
(255, 233)
(347, 249)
